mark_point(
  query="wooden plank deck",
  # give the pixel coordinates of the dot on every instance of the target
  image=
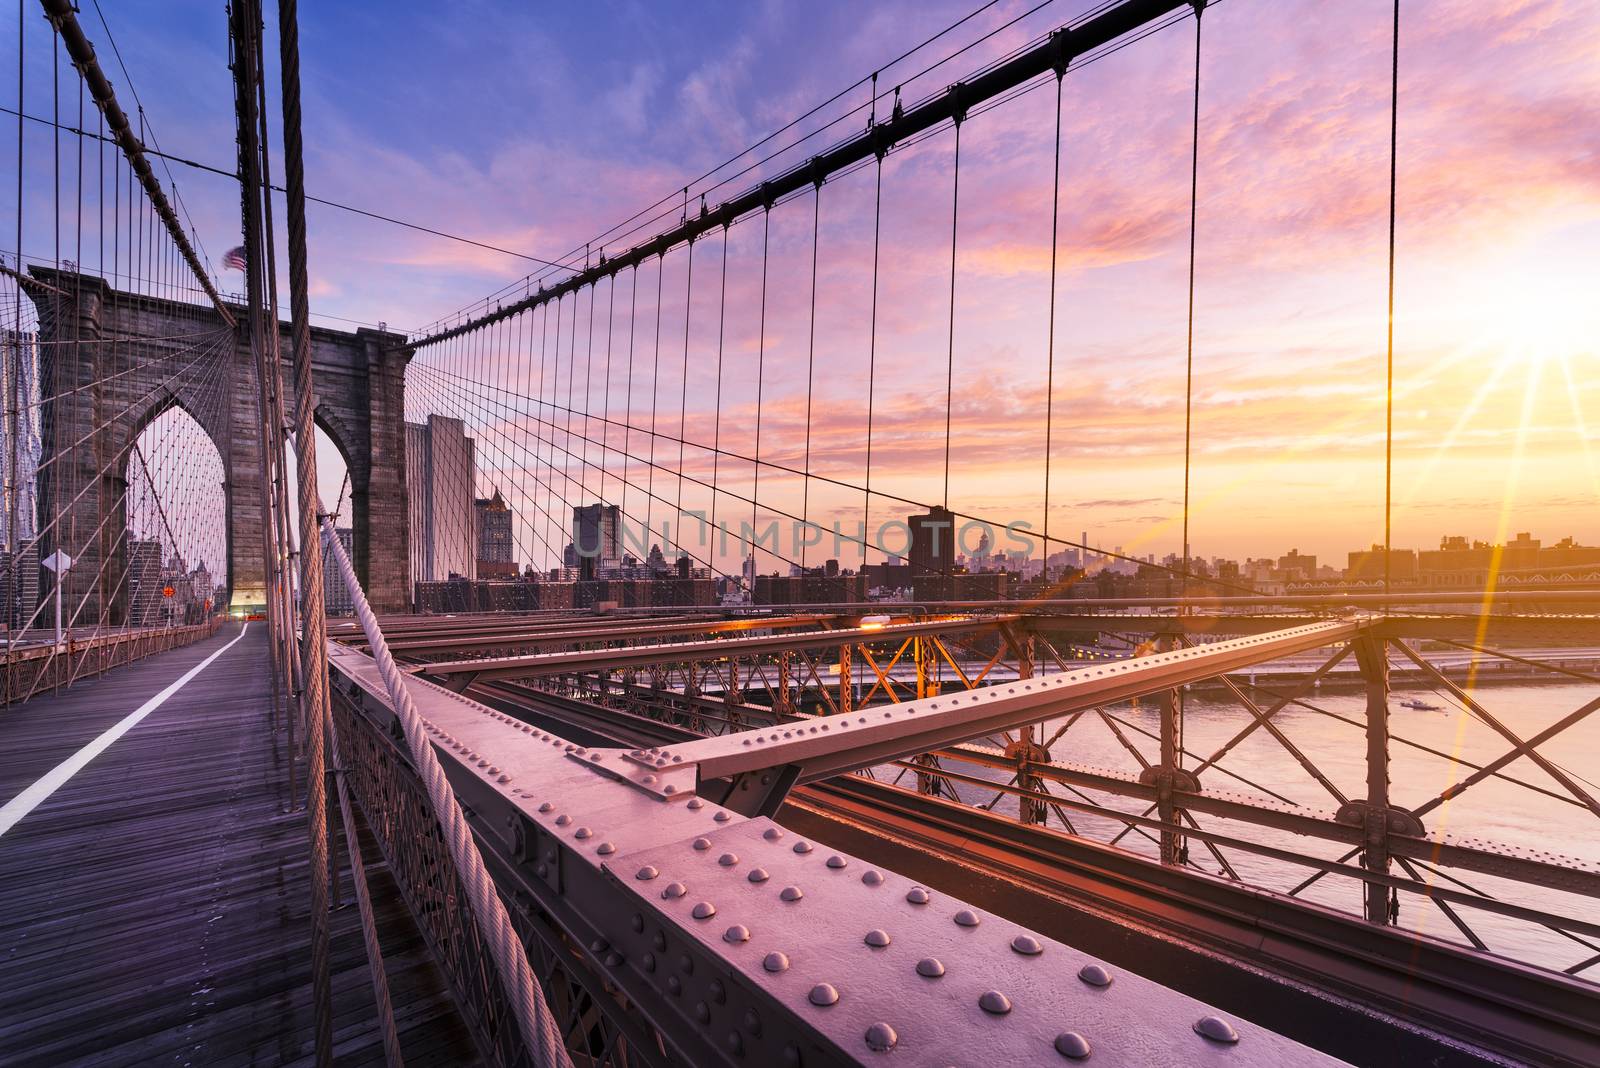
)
(156, 907)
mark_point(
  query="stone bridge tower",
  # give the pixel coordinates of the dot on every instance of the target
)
(126, 358)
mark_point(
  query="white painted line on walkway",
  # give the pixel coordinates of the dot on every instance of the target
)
(34, 796)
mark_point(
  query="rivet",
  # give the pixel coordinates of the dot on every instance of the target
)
(646, 873)
(674, 890)
(836, 861)
(791, 893)
(775, 962)
(881, 1037)
(995, 1002)
(791, 1057)
(606, 848)
(703, 910)
(540, 870)
(967, 918)
(697, 803)
(1071, 1044)
(930, 967)
(728, 860)
(737, 933)
(1216, 1029)
(702, 844)
(674, 984)
(504, 778)
(582, 832)
(1094, 975)
(660, 941)
(638, 922)
(649, 962)
(598, 945)
(722, 817)
(669, 789)
(613, 959)
(802, 847)
(735, 1042)
(648, 780)
(873, 878)
(752, 1022)
(877, 937)
(758, 875)
(686, 964)
(772, 834)
(917, 896)
(719, 993)
(1027, 945)
(563, 819)
(824, 994)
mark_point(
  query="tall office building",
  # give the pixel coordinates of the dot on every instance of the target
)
(336, 599)
(19, 589)
(200, 582)
(144, 582)
(441, 465)
(492, 521)
(596, 538)
(933, 542)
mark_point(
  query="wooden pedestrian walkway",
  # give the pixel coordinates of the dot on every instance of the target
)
(156, 904)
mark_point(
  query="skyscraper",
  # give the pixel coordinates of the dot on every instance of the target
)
(336, 599)
(596, 538)
(493, 522)
(933, 542)
(441, 465)
(144, 582)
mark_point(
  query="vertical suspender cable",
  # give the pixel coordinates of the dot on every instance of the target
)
(655, 400)
(811, 363)
(872, 352)
(1188, 380)
(1388, 397)
(314, 694)
(716, 429)
(683, 399)
(761, 356)
(1050, 342)
(950, 356)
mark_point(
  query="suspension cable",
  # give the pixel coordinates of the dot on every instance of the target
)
(1050, 343)
(1188, 381)
(1388, 399)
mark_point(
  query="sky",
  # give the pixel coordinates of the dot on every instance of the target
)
(536, 128)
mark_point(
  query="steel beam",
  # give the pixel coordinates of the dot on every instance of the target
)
(620, 631)
(832, 745)
(675, 652)
(740, 944)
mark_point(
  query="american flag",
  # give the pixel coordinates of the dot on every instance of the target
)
(234, 259)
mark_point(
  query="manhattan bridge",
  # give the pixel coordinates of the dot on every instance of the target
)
(295, 776)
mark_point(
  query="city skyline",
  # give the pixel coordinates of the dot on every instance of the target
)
(1496, 375)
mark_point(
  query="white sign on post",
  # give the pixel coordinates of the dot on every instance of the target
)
(57, 561)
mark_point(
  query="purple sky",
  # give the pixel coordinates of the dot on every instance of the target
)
(536, 130)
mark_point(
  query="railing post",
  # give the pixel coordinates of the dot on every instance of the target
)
(783, 702)
(1173, 849)
(1372, 657)
(847, 690)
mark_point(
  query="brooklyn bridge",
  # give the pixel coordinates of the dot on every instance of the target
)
(441, 695)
